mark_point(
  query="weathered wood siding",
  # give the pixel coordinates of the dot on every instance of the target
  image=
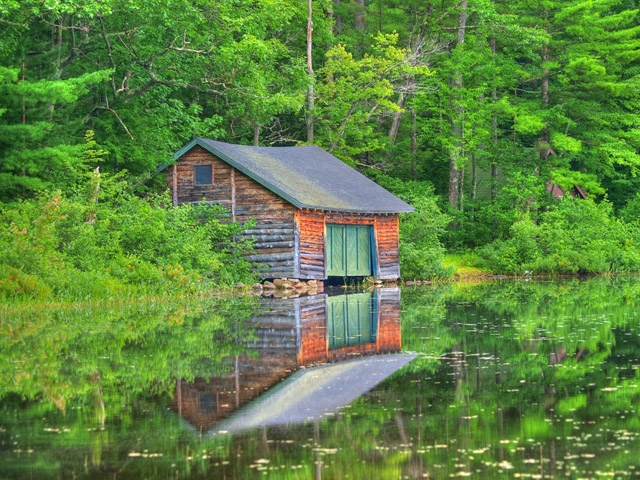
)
(274, 232)
(312, 228)
(388, 260)
(185, 189)
(312, 258)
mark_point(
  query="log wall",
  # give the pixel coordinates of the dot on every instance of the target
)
(274, 233)
(387, 232)
(312, 255)
(183, 187)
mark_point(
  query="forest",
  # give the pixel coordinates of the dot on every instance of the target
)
(476, 112)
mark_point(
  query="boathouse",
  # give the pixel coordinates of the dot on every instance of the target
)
(315, 216)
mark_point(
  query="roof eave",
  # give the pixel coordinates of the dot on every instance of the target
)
(358, 211)
(179, 153)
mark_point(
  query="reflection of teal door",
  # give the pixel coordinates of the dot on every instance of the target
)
(351, 320)
(348, 250)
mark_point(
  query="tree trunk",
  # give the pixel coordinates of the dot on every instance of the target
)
(337, 28)
(359, 17)
(256, 134)
(544, 96)
(474, 165)
(454, 182)
(310, 100)
(474, 178)
(397, 117)
(414, 169)
(461, 192)
(457, 110)
(57, 71)
(544, 89)
(494, 130)
(494, 96)
(24, 105)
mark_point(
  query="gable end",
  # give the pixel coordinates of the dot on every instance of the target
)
(234, 164)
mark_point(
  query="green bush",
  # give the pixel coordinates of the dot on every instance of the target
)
(631, 212)
(15, 283)
(421, 251)
(574, 236)
(516, 254)
(484, 220)
(74, 248)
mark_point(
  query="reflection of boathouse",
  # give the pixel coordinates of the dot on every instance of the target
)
(293, 333)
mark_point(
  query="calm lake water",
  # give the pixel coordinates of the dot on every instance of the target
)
(498, 380)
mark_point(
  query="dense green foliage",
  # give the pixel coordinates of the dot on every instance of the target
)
(513, 379)
(103, 241)
(133, 245)
(573, 237)
(488, 101)
(421, 252)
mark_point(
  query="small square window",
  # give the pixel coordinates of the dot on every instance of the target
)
(203, 174)
(207, 401)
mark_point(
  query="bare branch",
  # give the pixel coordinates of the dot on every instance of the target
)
(130, 50)
(125, 82)
(118, 117)
(343, 125)
(184, 48)
(84, 28)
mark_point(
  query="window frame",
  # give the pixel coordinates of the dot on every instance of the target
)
(195, 176)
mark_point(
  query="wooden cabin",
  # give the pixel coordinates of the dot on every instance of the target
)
(316, 217)
(292, 333)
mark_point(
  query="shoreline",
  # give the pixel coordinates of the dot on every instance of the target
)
(7, 308)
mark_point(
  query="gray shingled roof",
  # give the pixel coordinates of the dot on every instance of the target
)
(307, 176)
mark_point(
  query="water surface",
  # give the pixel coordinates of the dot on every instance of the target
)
(498, 380)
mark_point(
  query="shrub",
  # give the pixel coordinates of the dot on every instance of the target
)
(74, 248)
(631, 212)
(516, 254)
(16, 283)
(421, 251)
(484, 221)
(574, 236)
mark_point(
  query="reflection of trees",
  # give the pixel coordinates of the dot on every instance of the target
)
(549, 361)
(513, 378)
(62, 355)
(101, 367)
(511, 375)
